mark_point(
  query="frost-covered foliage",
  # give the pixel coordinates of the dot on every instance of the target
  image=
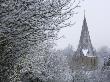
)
(68, 51)
(81, 76)
(104, 54)
(51, 67)
(35, 62)
(27, 29)
(58, 68)
(103, 73)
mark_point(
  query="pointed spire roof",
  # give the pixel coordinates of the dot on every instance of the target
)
(85, 44)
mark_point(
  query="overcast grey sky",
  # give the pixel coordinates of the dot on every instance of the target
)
(98, 20)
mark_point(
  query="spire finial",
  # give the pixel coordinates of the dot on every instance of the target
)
(84, 14)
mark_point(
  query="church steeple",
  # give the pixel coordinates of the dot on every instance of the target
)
(85, 47)
(85, 57)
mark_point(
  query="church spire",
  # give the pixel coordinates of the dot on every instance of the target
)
(85, 47)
